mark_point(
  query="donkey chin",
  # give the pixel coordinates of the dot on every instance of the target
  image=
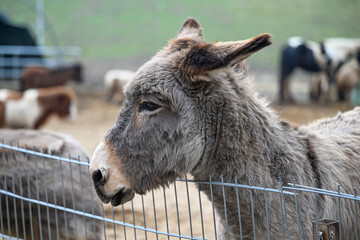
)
(110, 184)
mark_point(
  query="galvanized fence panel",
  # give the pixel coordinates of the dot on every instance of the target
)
(46, 196)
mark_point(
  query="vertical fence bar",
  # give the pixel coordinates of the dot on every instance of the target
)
(316, 214)
(266, 212)
(123, 216)
(46, 196)
(113, 217)
(63, 195)
(252, 209)
(213, 206)
(21, 193)
(82, 197)
(143, 210)
(72, 196)
(177, 209)
(12, 159)
(238, 207)
(285, 213)
(6, 197)
(225, 210)
(153, 198)
(92, 198)
(339, 212)
(3, 169)
(29, 195)
(300, 225)
(201, 214)
(166, 214)
(189, 208)
(55, 200)
(281, 210)
(103, 215)
(356, 217)
(38, 197)
(133, 215)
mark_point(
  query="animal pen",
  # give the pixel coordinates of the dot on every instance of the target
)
(57, 210)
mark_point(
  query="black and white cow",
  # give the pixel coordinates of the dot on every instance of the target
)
(326, 57)
(299, 53)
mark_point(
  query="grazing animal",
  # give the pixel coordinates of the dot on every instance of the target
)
(42, 77)
(47, 180)
(114, 81)
(346, 79)
(35, 106)
(326, 57)
(189, 111)
(7, 94)
(299, 53)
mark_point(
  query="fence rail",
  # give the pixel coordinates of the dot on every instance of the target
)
(14, 58)
(47, 196)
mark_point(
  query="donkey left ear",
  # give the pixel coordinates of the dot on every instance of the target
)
(203, 58)
(190, 29)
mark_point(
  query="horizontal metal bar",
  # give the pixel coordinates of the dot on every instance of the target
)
(44, 155)
(8, 237)
(67, 50)
(93, 216)
(317, 189)
(341, 195)
(237, 186)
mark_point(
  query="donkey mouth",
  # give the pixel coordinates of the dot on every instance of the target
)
(123, 196)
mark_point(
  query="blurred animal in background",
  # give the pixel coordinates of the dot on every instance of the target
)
(325, 59)
(115, 81)
(346, 79)
(42, 77)
(299, 53)
(48, 180)
(32, 108)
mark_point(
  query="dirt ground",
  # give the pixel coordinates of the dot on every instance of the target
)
(96, 116)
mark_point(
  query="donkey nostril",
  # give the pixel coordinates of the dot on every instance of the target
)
(98, 178)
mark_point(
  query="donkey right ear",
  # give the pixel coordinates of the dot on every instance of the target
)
(190, 29)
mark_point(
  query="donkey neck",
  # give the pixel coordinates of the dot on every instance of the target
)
(243, 138)
(246, 139)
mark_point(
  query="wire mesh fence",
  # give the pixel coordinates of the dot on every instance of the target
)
(50, 196)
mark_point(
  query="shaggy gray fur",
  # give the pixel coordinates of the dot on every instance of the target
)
(210, 123)
(47, 180)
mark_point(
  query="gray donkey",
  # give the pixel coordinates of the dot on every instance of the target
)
(189, 111)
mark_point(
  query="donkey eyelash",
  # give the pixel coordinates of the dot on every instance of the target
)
(148, 106)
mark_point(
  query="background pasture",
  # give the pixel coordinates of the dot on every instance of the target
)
(135, 30)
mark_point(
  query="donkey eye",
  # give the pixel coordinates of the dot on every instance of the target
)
(148, 106)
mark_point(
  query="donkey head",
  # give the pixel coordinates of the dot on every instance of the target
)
(160, 132)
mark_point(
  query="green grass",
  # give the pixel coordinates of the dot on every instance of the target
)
(121, 29)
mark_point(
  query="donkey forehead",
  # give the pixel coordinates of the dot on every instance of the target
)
(154, 76)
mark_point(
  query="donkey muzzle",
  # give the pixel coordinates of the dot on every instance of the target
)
(107, 175)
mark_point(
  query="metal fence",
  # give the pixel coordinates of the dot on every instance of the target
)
(14, 58)
(46, 196)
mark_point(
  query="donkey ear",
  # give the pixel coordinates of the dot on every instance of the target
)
(190, 29)
(203, 58)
